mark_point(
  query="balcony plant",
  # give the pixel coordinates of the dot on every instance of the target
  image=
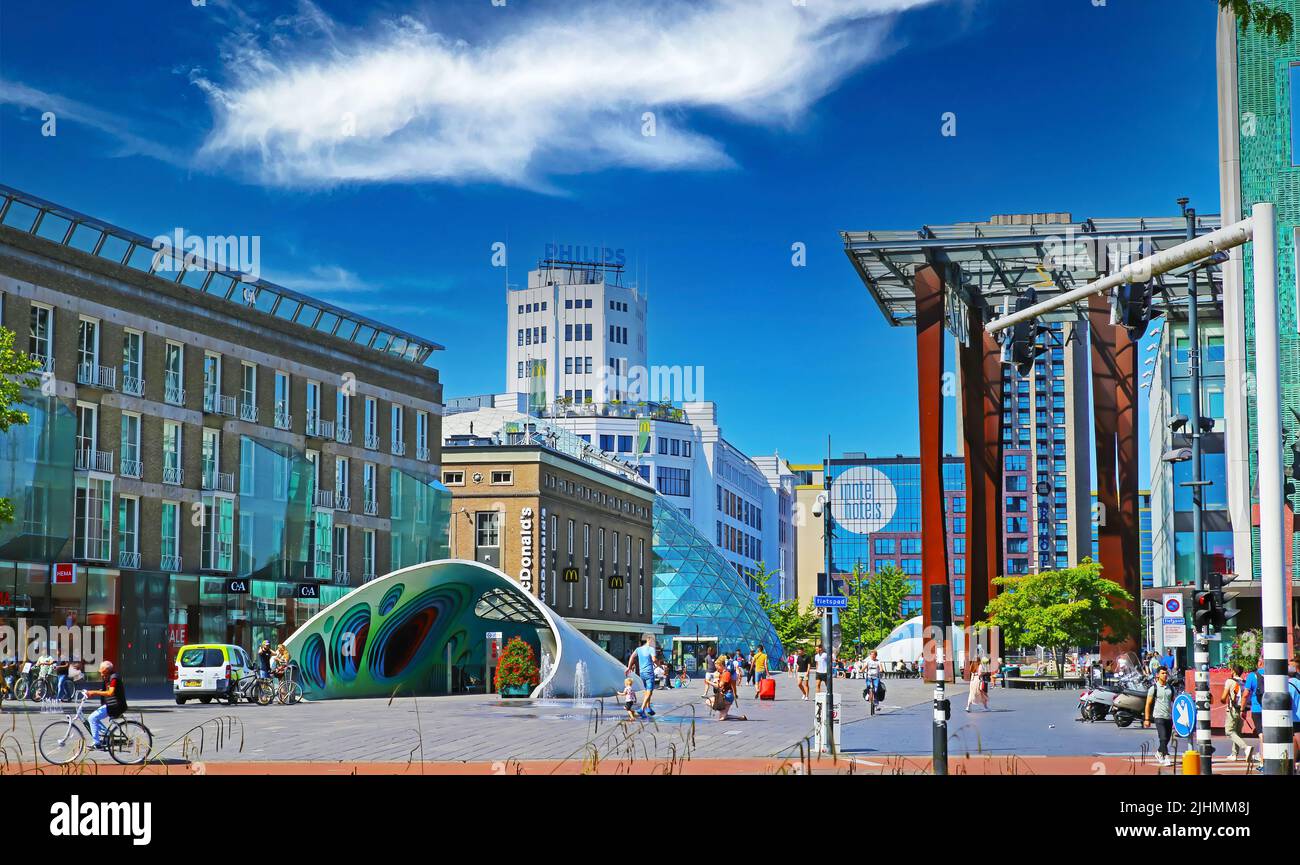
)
(517, 672)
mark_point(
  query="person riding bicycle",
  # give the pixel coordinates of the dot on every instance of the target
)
(871, 671)
(112, 702)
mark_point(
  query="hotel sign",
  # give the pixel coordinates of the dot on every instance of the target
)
(526, 548)
(863, 500)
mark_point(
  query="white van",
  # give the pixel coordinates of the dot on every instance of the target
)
(207, 670)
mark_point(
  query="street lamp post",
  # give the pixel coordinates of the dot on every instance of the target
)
(822, 508)
(1201, 652)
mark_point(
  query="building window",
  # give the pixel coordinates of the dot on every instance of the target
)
(174, 373)
(211, 381)
(342, 483)
(248, 392)
(128, 532)
(487, 529)
(422, 435)
(172, 472)
(398, 431)
(41, 341)
(453, 479)
(283, 419)
(133, 363)
(503, 477)
(131, 466)
(368, 563)
(372, 423)
(169, 545)
(673, 481)
(93, 518)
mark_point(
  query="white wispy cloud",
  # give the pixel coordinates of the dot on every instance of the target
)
(534, 95)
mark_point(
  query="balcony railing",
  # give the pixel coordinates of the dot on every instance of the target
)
(131, 468)
(170, 562)
(343, 434)
(422, 454)
(321, 428)
(132, 386)
(173, 475)
(283, 420)
(45, 362)
(372, 442)
(342, 503)
(341, 576)
(94, 375)
(366, 578)
(323, 499)
(248, 412)
(173, 393)
(216, 403)
(128, 559)
(399, 448)
(91, 460)
(219, 481)
(372, 509)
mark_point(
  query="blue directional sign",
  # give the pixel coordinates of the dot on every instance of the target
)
(1184, 710)
(830, 601)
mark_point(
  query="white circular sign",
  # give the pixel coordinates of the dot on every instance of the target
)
(863, 500)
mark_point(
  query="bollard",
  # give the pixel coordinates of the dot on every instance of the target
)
(1191, 762)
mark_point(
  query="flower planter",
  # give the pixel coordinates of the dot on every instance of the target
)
(516, 690)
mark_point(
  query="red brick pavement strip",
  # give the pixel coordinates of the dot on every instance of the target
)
(873, 765)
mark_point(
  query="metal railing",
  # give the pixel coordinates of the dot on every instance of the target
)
(372, 441)
(132, 386)
(422, 454)
(173, 475)
(94, 375)
(342, 434)
(341, 576)
(323, 499)
(342, 503)
(173, 393)
(366, 578)
(248, 412)
(46, 363)
(91, 460)
(217, 403)
(128, 559)
(132, 468)
(399, 448)
(372, 508)
(283, 420)
(320, 428)
(219, 481)
(170, 562)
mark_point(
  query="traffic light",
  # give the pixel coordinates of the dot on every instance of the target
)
(940, 606)
(1220, 615)
(1021, 349)
(1130, 305)
(1202, 609)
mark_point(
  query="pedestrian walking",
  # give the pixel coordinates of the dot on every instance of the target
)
(760, 668)
(978, 694)
(1159, 712)
(1255, 690)
(1233, 692)
(801, 670)
(821, 662)
(643, 659)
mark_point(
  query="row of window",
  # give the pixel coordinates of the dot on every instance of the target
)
(215, 400)
(577, 365)
(618, 305)
(578, 303)
(532, 307)
(618, 334)
(674, 447)
(487, 537)
(577, 333)
(531, 335)
(739, 508)
(741, 543)
(595, 496)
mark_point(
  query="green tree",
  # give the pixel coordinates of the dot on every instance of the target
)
(15, 374)
(1059, 609)
(1267, 18)
(792, 626)
(875, 605)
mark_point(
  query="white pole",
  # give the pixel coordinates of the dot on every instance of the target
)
(1136, 272)
(1276, 701)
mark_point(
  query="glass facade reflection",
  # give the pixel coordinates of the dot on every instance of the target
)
(421, 513)
(36, 475)
(275, 510)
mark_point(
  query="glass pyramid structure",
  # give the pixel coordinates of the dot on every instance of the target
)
(699, 591)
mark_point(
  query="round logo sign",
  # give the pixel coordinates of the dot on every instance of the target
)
(863, 500)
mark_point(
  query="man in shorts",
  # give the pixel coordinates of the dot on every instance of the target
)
(801, 669)
(643, 659)
(821, 662)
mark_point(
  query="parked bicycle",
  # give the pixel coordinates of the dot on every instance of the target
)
(255, 689)
(290, 691)
(128, 742)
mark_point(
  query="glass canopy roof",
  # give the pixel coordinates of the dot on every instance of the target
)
(66, 227)
(988, 262)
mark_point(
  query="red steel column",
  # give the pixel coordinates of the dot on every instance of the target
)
(982, 402)
(1105, 390)
(1126, 451)
(929, 371)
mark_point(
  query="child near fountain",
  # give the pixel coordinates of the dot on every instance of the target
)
(629, 698)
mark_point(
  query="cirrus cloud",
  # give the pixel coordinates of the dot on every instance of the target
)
(534, 95)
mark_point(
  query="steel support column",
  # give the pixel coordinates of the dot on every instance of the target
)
(929, 371)
(982, 401)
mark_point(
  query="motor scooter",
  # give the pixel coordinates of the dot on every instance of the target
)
(1096, 702)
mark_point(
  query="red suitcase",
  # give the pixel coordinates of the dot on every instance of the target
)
(767, 689)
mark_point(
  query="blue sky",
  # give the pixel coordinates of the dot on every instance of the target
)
(473, 124)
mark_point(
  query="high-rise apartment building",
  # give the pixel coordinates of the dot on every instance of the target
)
(576, 333)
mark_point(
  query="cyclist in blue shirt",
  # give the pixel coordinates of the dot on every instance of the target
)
(643, 658)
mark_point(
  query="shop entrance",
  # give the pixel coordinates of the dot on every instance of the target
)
(692, 651)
